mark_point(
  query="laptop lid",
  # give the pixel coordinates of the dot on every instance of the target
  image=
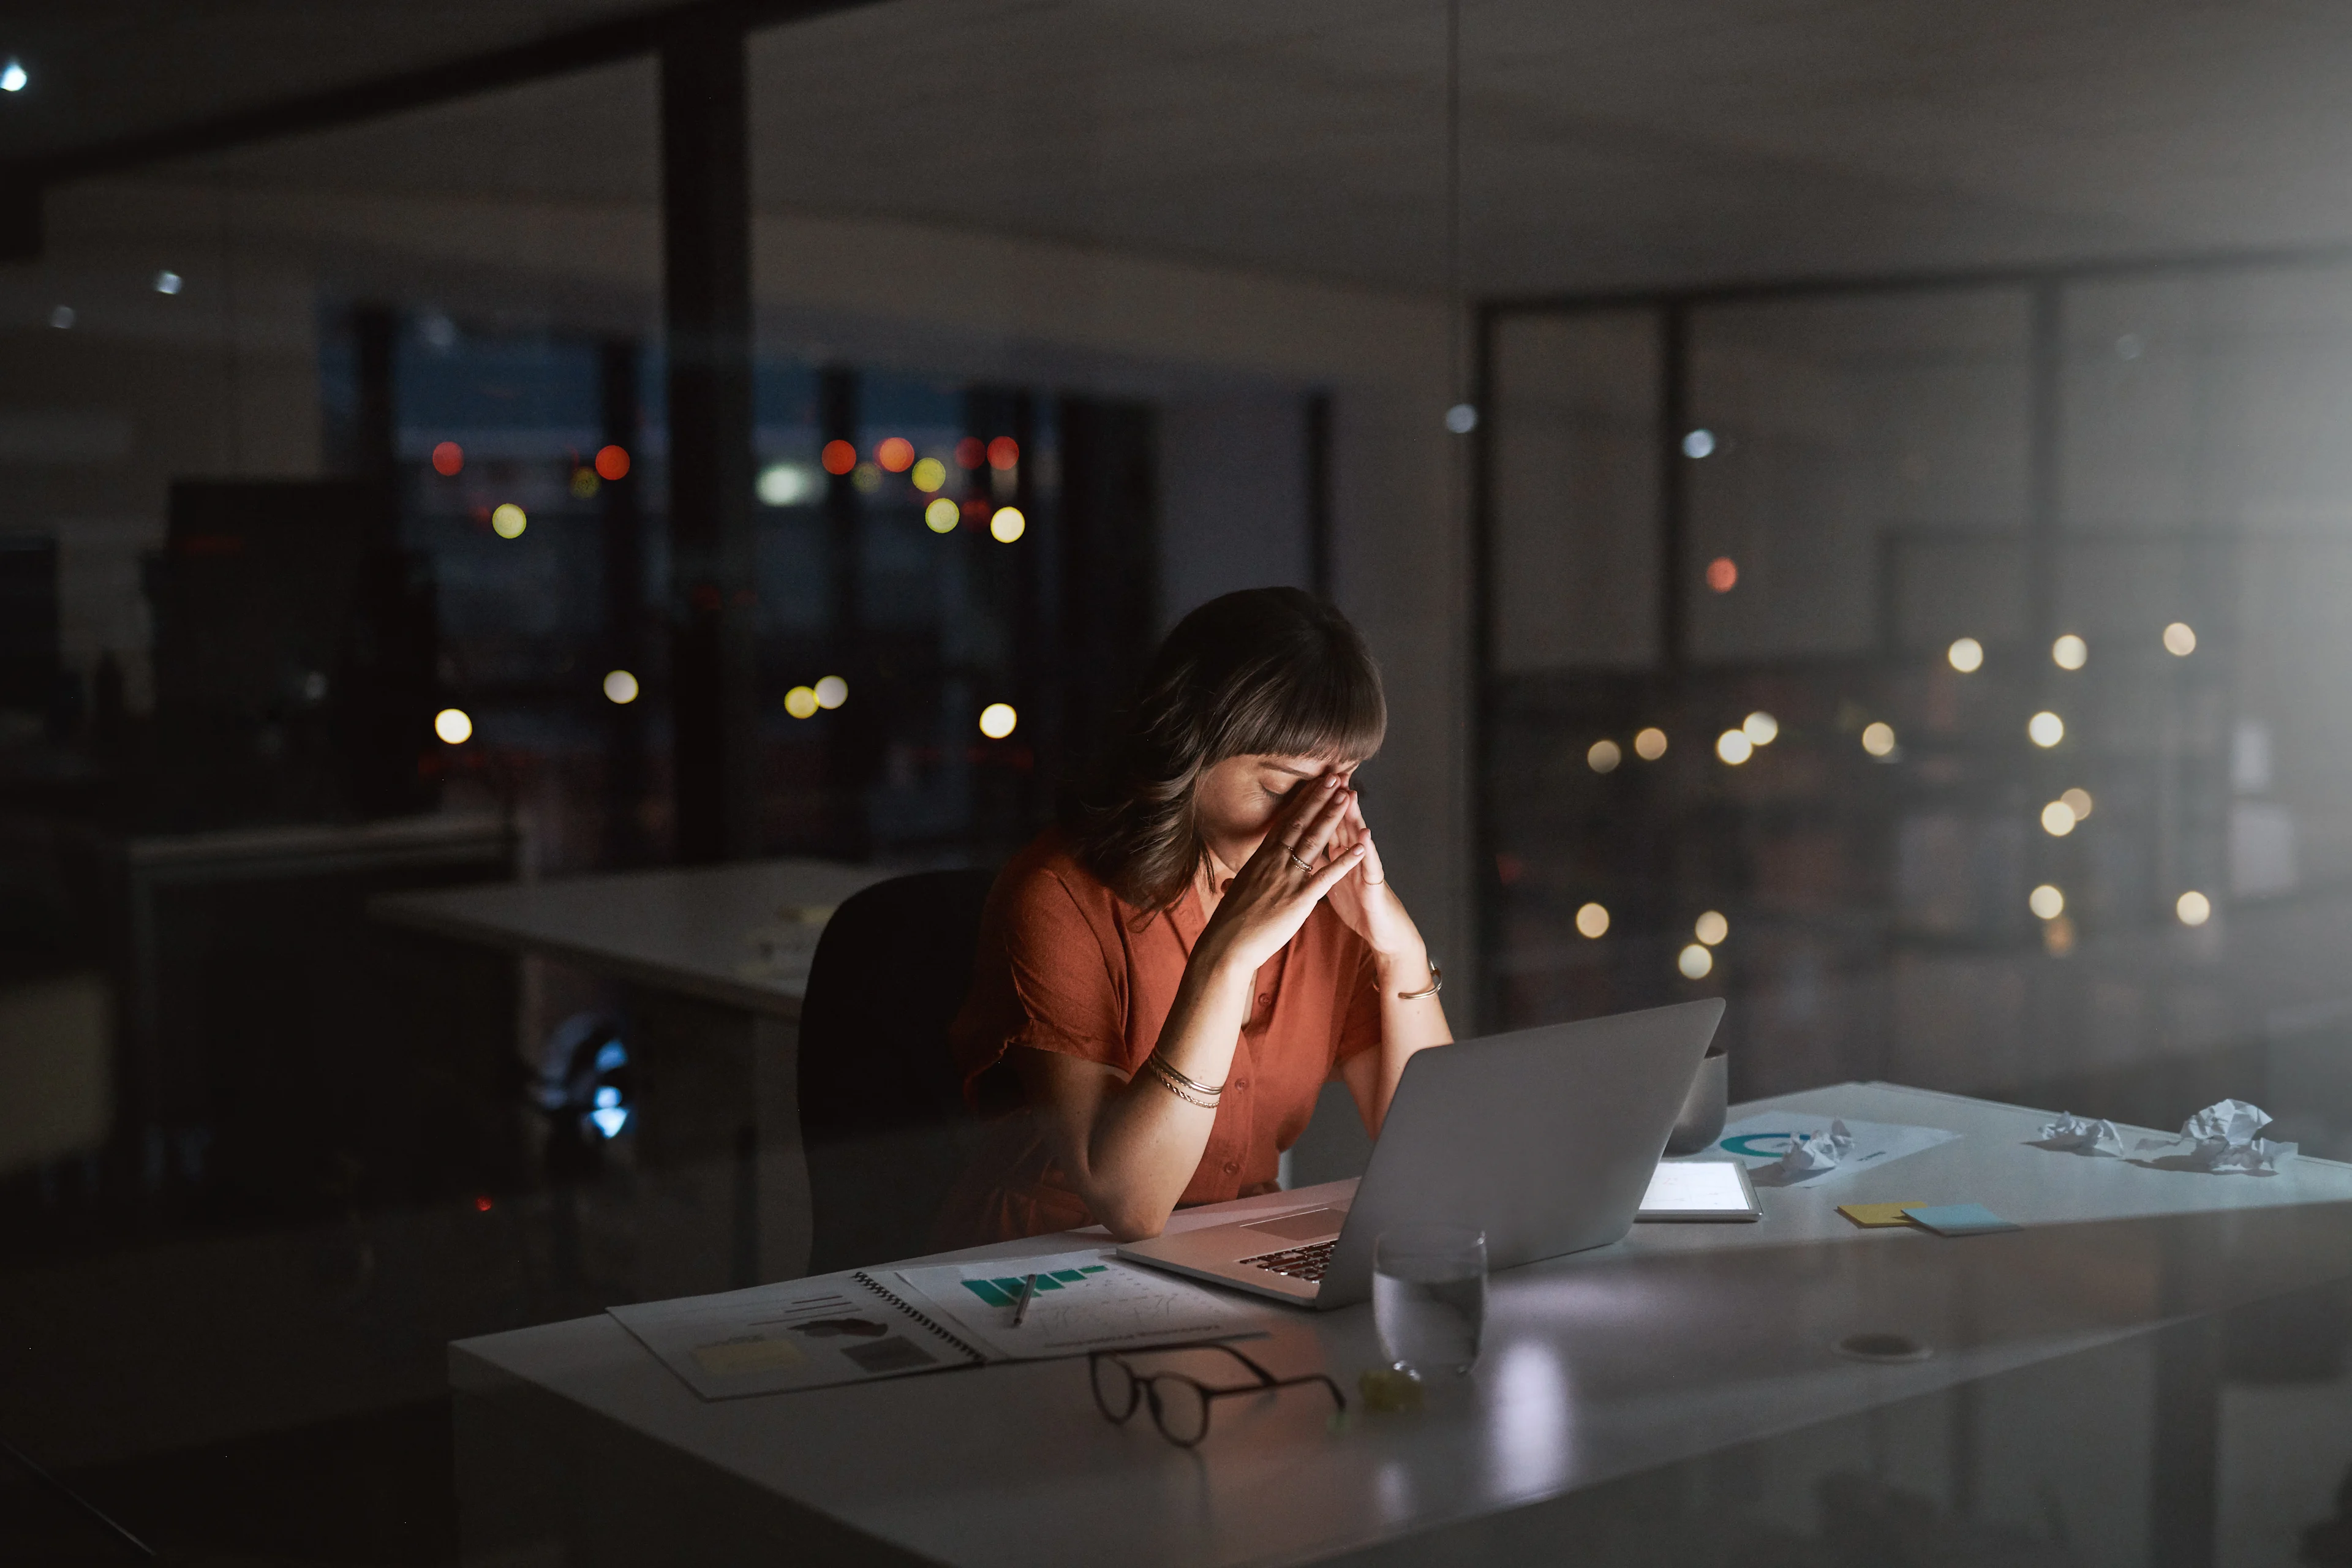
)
(1545, 1139)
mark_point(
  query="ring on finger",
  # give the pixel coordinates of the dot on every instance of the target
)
(1302, 865)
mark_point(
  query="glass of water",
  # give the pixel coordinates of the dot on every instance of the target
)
(1429, 1296)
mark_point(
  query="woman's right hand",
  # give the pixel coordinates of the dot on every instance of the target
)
(1280, 884)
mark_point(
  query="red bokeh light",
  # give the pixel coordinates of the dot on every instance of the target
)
(976, 510)
(482, 1203)
(1004, 452)
(896, 455)
(970, 452)
(447, 458)
(839, 458)
(612, 463)
(1722, 573)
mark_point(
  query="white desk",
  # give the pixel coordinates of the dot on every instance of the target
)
(1678, 1342)
(719, 957)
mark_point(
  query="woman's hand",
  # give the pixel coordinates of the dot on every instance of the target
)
(1280, 884)
(1367, 903)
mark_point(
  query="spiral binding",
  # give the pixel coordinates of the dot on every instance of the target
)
(925, 1318)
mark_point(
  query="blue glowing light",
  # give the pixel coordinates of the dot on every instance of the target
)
(607, 1097)
(614, 1055)
(610, 1119)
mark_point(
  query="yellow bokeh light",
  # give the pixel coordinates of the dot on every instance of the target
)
(832, 691)
(2058, 937)
(508, 522)
(929, 474)
(1711, 928)
(2046, 901)
(866, 478)
(1603, 757)
(620, 686)
(2181, 641)
(1592, 920)
(454, 726)
(941, 516)
(1966, 655)
(2069, 652)
(1695, 962)
(2193, 907)
(1650, 744)
(1007, 524)
(1878, 739)
(997, 720)
(2045, 729)
(1760, 728)
(801, 701)
(1734, 746)
(2057, 819)
(2078, 801)
(584, 483)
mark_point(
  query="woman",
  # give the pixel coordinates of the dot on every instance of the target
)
(1165, 981)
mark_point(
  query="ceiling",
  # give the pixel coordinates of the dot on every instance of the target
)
(1606, 144)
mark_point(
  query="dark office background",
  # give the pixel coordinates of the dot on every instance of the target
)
(395, 493)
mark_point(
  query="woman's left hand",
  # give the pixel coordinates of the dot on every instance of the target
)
(1364, 899)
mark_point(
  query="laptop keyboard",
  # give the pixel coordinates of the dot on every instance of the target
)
(1306, 1263)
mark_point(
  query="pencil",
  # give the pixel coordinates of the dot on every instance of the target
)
(1028, 1294)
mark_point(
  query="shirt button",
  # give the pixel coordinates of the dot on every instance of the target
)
(1230, 1167)
(1266, 999)
(1241, 1083)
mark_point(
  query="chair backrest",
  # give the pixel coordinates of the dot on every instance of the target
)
(882, 1113)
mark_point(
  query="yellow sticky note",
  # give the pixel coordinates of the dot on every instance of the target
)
(1875, 1217)
(734, 1358)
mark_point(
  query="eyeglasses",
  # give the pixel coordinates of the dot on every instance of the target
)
(1180, 1404)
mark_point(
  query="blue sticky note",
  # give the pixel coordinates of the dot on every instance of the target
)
(1958, 1219)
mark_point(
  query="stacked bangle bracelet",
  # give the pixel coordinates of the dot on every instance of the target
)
(1191, 1090)
(1436, 985)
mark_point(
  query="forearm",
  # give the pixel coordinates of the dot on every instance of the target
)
(1409, 1022)
(1147, 1141)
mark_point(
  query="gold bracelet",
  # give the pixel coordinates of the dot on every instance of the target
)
(1436, 985)
(1195, 1084)
(1168, 1076)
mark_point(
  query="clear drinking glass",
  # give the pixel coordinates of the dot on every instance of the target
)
(1429, 1296)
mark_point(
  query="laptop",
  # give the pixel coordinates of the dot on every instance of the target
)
(1545, 1139)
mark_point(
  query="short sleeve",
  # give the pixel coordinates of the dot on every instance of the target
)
(1359, 1010)
(1065, 987)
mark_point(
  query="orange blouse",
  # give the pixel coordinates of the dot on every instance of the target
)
(1065, 965)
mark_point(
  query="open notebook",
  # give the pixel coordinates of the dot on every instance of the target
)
(862, 1326)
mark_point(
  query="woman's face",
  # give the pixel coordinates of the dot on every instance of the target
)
(1237, 800)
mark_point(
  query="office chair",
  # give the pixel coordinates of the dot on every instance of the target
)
(882, 1113)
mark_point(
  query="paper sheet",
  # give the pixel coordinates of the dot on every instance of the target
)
(803, 1334)
(1783, 1147)
(1085, 1301)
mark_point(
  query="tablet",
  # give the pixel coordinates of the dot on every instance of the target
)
(1699, 1190)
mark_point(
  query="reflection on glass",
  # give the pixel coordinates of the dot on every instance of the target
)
(2069, 652)
(1966, 655)
(1592, 920)
(1650, 744)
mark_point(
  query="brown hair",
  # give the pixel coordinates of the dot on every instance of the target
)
(1262, 672)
